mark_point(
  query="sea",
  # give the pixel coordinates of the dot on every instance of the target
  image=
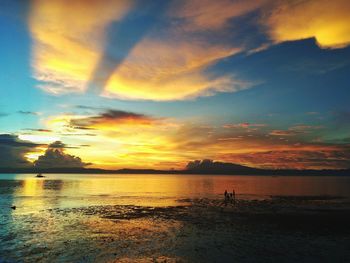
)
(58, 218)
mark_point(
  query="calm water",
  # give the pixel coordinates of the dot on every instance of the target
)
(32, 194)
(62, 218)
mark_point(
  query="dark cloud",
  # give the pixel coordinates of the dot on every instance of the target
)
(55, 157)
(61, 145)
(38, 130)
(118, 114)
(78, 134)
(28, 112)
(13, 141)
(83, 128)
(83, 107)
(58, 145)
(84, 145)
(110, 117)
(208, 165)
(13, 150)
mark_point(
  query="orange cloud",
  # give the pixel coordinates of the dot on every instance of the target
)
(121, 139)
(243, 125)
(283, 133)
(126, 139)
(171, 70)
(315, 157)
(212, 15)
(327, 21)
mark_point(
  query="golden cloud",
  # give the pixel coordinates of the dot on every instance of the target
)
(171, 70)
(69, 42)
(327, 21)
(129, 139)
(68, 38)
(168, 61)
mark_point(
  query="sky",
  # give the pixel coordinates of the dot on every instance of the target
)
(155, 84)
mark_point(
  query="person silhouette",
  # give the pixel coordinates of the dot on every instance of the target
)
(233, 196)
(225, 197)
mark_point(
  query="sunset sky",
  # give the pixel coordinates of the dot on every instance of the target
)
(156, 84)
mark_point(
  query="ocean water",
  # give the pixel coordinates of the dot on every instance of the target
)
(30, 194)
(65, 217)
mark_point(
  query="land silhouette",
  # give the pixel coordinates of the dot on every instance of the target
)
(205, 166)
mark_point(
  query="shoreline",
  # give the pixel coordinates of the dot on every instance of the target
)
(248, 172)
(276, 229)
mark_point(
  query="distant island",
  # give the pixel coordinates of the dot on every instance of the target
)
(193, 167)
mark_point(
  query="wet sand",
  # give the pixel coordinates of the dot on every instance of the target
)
(277, 229)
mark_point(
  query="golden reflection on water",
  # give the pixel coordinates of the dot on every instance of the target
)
(59, 190)
(35, 194)
(90, 221)
(70, 231)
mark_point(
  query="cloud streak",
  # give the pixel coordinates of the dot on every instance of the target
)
(28, 113)
(111, 117)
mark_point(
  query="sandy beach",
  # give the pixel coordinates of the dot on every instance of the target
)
(277, 229)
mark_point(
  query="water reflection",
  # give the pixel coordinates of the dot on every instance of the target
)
(60, 190)
(36, 194)
(80, 217)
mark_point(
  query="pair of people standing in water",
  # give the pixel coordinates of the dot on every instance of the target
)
(230, 197)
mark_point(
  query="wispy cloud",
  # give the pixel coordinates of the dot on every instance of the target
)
(39, 130)
(243, 125)
(172, 62)
(111, 117)
(203, 15)
(283, 133)
(28, 113)
(316, 157)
